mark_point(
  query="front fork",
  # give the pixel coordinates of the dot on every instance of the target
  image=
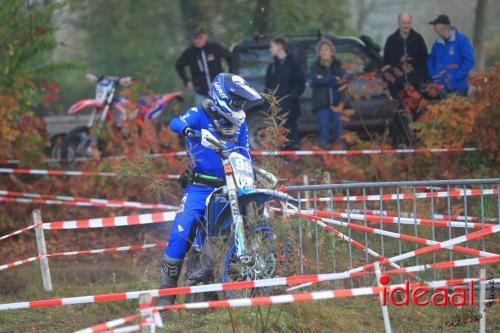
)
(239, 229)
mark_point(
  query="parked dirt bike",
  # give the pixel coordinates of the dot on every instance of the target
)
(107, 107)
(241, 237)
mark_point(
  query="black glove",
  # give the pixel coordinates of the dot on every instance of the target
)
(185, 178)
(187, 131)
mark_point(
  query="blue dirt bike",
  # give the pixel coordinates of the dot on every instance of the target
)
(240, 238)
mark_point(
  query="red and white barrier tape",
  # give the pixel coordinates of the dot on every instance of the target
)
(109, 324)
(353, 242)
(56, 172)
(17, 232)
(442, 217)
(283, 153)
(437, 265)
(18, 262)
(402, 220)
(125, 329)
(360, 151)
(447, 264)
(80, 201)
(96, 251)
(404, 196)
(73, 203)
(414, 239)
(290, 298)
(99, 298)
(431, 248)
(112, 221)
(70, 173)
(250, 284)
(311, 296)
(433, 245)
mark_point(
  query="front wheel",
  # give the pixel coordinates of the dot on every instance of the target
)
(270, 248)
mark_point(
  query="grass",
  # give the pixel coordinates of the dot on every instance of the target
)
(104, 274)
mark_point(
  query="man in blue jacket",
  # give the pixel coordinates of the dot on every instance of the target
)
(451, 57)
(223, 116)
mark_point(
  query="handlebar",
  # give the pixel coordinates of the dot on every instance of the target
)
(194, 134)
(267, 176)
(197, 134)
(122, 81)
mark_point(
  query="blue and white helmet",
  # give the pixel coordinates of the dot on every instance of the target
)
(229, 94)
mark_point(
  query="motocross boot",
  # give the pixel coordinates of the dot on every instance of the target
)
(203, 275)
(169, 274)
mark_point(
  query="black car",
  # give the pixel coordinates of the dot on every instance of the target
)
(372, 106)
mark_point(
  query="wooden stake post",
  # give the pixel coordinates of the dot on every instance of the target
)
(42, 250)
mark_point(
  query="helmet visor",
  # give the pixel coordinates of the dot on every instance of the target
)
(237, 103)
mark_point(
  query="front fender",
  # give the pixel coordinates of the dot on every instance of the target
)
(222, 223)
(83, 104)
(264, 195)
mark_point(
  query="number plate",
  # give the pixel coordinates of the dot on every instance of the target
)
(242, 170)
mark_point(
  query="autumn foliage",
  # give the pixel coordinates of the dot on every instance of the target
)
(458, 121)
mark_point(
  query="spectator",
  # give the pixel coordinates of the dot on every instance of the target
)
(405, 62)
(286, 76)
(204, 60)
(451, 57)
(326, 72)
(405, 51)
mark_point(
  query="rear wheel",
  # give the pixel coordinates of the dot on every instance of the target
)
(56, 143)
(77, 144)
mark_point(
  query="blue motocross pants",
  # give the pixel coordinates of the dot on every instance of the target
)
(187, 221)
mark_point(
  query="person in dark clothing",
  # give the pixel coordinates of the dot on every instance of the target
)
(406, 51)
(204, 61)
(326, 73)
(405, 63)
(285, 75)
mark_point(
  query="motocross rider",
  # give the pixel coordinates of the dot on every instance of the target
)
(223, 116)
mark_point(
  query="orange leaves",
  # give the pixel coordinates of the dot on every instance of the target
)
(8, 108)
(459, 121)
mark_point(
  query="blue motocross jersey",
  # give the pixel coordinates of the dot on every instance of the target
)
(201, 159)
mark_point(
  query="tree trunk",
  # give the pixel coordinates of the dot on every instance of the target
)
(261, 17)
(364, 10)
(479, 32)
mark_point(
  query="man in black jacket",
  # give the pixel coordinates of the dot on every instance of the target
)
(405, 60)
(285, 75)
(405, 54)
(204, 60)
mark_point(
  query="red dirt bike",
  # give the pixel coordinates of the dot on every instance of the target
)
(109, 108)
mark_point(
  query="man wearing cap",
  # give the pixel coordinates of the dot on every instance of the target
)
(451, 57)
(204, 61)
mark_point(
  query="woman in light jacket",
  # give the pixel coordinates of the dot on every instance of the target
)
(326, 73)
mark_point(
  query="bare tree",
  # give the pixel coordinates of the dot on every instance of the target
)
(364, 9)
(479, 32)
